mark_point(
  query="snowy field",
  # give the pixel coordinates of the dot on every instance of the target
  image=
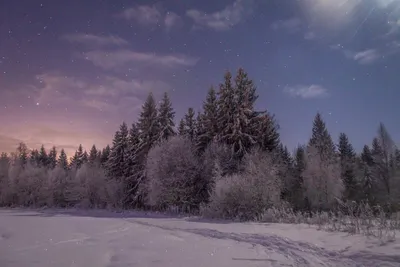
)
(104, 239)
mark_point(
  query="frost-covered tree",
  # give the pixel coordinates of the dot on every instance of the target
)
(322, 175)
(105, 154)
(181, 127)
(348, 167)
(93, 155)
(78, 158)
(367, 181)
(207, 126)
(116, 160)
(43, 157)
(166, 116)
(297, 189)
(22, 154)
(52, 158)
(62, 161)
(268, 138)
(34, 157)
(189, 122)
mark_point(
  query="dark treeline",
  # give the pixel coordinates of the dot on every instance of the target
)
(226, 161)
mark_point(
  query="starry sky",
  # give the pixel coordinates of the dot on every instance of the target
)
(72, 71)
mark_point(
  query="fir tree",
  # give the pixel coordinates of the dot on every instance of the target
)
(93, 155)
(166, 116)
(190, 124)
(116, 160)
(105, 154)
(22, 154)
(85, 157)
(52, 158)
(34, 157)
(43, 157)
(207, 125)
(181, 127)
(348, 167)
(62, 161)
(268, 138)
(78, 158)
(367, 181)
(297, 189)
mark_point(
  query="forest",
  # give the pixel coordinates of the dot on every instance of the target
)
(225, 162)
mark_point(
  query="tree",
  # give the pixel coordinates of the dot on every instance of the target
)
(132, 165)
(52, 158)
(367, 181)
(299, 165)
(93, 155)
(105, 154)
(116, 160)
(348, 167)
(78, 159)
(34, 157)
(268, 138)
(189, 129)
(166, 116)
(322, 175)
(43, 157)
(62, 161)
(181, 127)
(22, 154)
(207, 124)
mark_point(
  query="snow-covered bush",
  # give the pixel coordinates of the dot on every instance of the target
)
(246, 195)
(175, 176)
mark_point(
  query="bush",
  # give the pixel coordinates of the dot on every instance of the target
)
(244, 196)
(175, 176)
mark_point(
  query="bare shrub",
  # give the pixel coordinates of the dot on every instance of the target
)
(246, 195)
(175, 176)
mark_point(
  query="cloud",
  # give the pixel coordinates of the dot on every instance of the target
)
(144, 15)
(151, 16)
(310, 35)
(110, 60)
(172, 20)
(307, 92)
(291, 25)
(364, 57)
(94, 40)
(224, 19)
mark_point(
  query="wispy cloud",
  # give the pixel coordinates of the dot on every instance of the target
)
(291, 25)
(310, 35)
(109, 60)
(94, 40)
(151, 16)
(224, 19)
(307, 91)
(364, 57)
(144, 15)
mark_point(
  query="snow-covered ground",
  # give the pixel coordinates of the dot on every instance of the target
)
(105, 239)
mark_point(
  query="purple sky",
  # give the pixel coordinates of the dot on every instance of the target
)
(71, 72)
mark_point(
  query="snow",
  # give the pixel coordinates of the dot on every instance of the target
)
(100, 238)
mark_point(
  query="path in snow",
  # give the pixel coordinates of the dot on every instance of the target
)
(104, 239)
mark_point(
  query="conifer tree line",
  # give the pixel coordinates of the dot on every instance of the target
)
(226, 160)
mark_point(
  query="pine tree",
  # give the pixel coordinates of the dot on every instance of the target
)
(34, 157)
(22, 154)
(78, 159)
(181, 127)
(105, 154)
(93, 155)
(268, 138)
(166, 116)
(85, 157)
(297, 189)
(367, 181)
(322, 176)
(348, 167)
(43, 157)
(52, 158)
(207, 125)
(190, 124)
(62, 161)
(116, 160)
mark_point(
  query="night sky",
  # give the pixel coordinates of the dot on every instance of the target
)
(72, 71)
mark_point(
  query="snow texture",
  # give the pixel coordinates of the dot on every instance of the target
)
(103, 239)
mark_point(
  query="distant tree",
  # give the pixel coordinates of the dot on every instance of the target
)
(43, 157)
(34, 157)
(181, 128)
(189, 124)
(93, 155)
(268, 138)
(52, 158)
(62, 161)
(207, 124)
(348, 167)
(297, 189)
(22, 154)
(105, 154)
(166, 116)
(116, 160)
(78, 158)
(368, 183)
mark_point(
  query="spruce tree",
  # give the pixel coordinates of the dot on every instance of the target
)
(22, 154)
(52, 158)
(78, 158)
(93, 155)
(181, 127)
(105, 154)
(321, 139)
(190, 124)
(367, 180)
(268, 137)
(348, 167)
(207, 125)
(43, 157)
(116, 160)
(166, 116)
(297, 189)
(62, 161)
(34, 157)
